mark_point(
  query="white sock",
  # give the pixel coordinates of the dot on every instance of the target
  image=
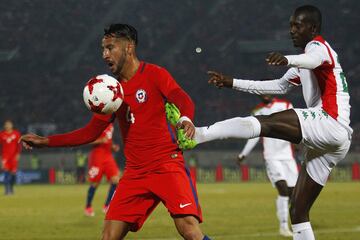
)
(248, 127)
(303, 231)
(282, 211)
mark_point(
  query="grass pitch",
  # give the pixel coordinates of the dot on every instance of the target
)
(231, 211)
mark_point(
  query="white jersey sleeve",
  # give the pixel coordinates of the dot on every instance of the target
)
(315, 55)
(276, 86)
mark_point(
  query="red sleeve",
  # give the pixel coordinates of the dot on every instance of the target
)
(165, 82)
(182, 100)
(84, 135)
(175, 94)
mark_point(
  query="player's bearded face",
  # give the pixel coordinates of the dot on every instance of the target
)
(114, 54)
(300, 30)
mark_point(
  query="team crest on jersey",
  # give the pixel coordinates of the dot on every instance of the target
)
(141, 96)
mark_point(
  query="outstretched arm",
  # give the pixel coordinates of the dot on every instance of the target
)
(276, 86)
(84, 135)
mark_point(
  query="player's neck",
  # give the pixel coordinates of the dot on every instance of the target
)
(130, 70)
(9, 131)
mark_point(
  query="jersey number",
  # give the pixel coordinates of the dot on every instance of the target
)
(130, 116)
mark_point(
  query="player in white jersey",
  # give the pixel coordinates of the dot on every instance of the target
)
(323, 127)
(279, 160)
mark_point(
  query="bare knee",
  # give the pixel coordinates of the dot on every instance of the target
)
(108, 235)
(115, 230)
(188, 227)
(298, 213)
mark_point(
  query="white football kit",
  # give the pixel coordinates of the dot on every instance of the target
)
(278, 154)
(325, 122)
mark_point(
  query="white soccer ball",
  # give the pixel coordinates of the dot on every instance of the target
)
(103, 94)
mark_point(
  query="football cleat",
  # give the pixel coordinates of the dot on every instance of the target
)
(172, 113)
(285, 232)
(184, 142)
(89, 211)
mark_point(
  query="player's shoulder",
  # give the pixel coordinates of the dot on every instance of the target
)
(157, 73)
(318, 43)
(154, 68)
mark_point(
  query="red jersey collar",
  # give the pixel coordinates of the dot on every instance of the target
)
(319, 38)
(138, 71)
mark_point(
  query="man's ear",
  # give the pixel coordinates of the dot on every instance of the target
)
(130, 48)
(314, 30)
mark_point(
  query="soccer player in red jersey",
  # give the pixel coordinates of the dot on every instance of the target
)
(101, 161)
(9, 140)
(155, 171)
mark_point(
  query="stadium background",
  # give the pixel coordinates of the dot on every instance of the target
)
(49, 49)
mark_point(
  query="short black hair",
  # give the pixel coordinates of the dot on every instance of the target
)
(313, 15)
(120, 30)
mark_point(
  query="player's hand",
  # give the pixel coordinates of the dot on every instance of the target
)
(220, 80)
(188, 127)
(29, 141)
(276, 59)
(115, 147)
(240, 159)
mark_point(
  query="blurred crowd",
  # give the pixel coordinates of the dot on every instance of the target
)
(49, 49)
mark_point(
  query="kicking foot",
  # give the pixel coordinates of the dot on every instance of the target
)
(184, 142)
(89, 212)
(172, 113)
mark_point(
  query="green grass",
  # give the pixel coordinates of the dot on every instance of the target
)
(231, 211)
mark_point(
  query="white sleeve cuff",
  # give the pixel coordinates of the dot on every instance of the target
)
(184, 118)
(240, 84)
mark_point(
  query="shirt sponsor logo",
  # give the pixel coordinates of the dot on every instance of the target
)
(141, 96)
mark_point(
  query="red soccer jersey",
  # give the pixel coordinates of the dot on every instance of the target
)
(10, 144)
(105, 147)
(148, 139)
